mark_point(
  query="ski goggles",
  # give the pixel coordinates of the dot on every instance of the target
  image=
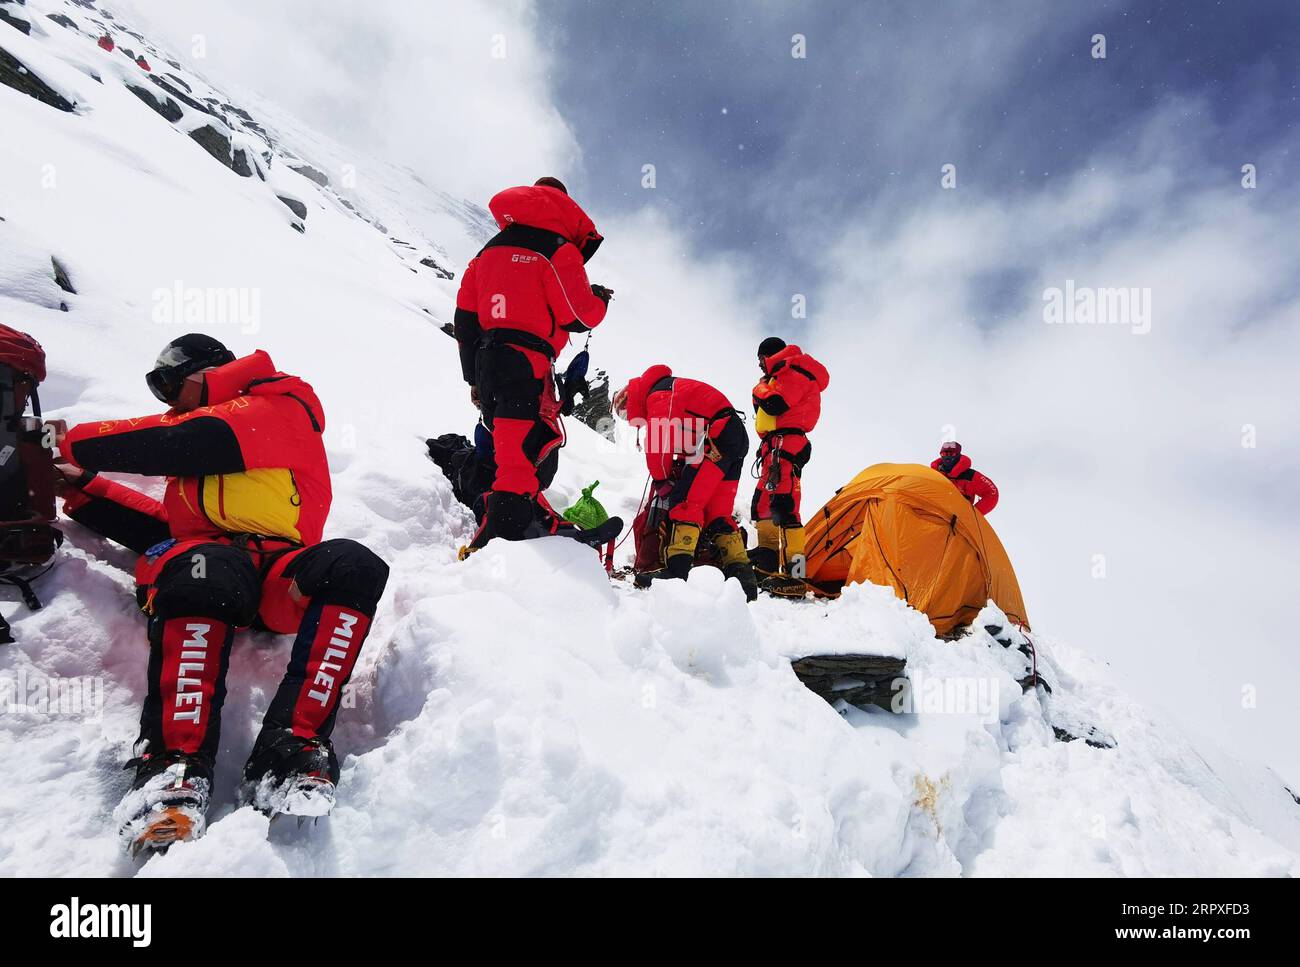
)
(950, 449)
(165, 382)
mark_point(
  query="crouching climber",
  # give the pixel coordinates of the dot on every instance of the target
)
(236, 542)
(973, 485)
(696, 439)
(787, 405)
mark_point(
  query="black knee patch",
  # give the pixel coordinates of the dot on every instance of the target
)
(340, 572)
(783, 513)
(720, 526)
(212, 580)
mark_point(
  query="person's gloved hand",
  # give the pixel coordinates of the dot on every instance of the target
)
(473, 397)
(603, 293)
(68, 478)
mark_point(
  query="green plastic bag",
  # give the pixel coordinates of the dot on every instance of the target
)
(587, 511)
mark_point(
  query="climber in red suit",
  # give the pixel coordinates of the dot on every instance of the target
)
(235, 542)
(974, 486)
(787, 405)
(520, 299)
(695, 439)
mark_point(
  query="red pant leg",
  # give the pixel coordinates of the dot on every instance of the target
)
(691, 497)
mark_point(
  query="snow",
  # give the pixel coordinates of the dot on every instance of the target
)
(517, 713)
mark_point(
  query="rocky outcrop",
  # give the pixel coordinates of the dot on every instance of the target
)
(294, 205)
(307, 171)
(168, 108)
(15, 21)
(440, 271)
(14, 74)
(61, 278)
(215, 143)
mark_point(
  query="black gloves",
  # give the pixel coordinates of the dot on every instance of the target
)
(602, 293)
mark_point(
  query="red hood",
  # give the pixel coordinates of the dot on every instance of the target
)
(794, 356)
(547, 208)
(256, 375)
(639, 388)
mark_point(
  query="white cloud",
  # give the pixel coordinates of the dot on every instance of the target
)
(417, 83)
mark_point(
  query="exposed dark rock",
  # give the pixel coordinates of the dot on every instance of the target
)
(215, 143)
(307, 171)
(168, 108)
(447, 328)
(61, 276)
(438, 270)
(23, 25)
(595, 410)
(240, 165)
(347, 204)
(295, 206)
(63, 20)
(239, 112)
(299, 227)
(181, 96)
(14, 74)
(856, 679)
(179, 81)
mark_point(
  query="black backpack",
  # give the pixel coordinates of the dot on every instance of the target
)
(28, 538)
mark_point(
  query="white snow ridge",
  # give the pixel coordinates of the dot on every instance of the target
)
(517, 713)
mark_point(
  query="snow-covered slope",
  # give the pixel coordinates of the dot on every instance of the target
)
(516, 713)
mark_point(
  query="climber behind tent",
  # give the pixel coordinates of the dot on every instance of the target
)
(787, 404)
(236, 542)
(973, 485)
(695, 438)
(519, 300)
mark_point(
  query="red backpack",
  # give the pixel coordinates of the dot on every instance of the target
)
(28, 538)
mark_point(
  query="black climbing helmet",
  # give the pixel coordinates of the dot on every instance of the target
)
(182, 357)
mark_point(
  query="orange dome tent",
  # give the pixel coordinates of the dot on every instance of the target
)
(903, 525)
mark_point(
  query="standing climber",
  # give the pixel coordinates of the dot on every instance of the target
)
(696, 439)
(235, 542)
(520, 298)
(974, 486)
(787, 404)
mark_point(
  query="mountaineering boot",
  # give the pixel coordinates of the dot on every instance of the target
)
(289, 774)
(679, 555)
(735, 562)
(506, 515)
(766, 557)
(796, 563)
(168, 802)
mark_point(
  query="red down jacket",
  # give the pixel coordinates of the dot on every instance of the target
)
(530, 277)
(789, 395)
(974, 486)
(249, 461)
(676, 413)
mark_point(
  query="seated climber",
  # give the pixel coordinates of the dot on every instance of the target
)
(236, 542)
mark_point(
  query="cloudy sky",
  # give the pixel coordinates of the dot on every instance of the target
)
(1147, 467)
